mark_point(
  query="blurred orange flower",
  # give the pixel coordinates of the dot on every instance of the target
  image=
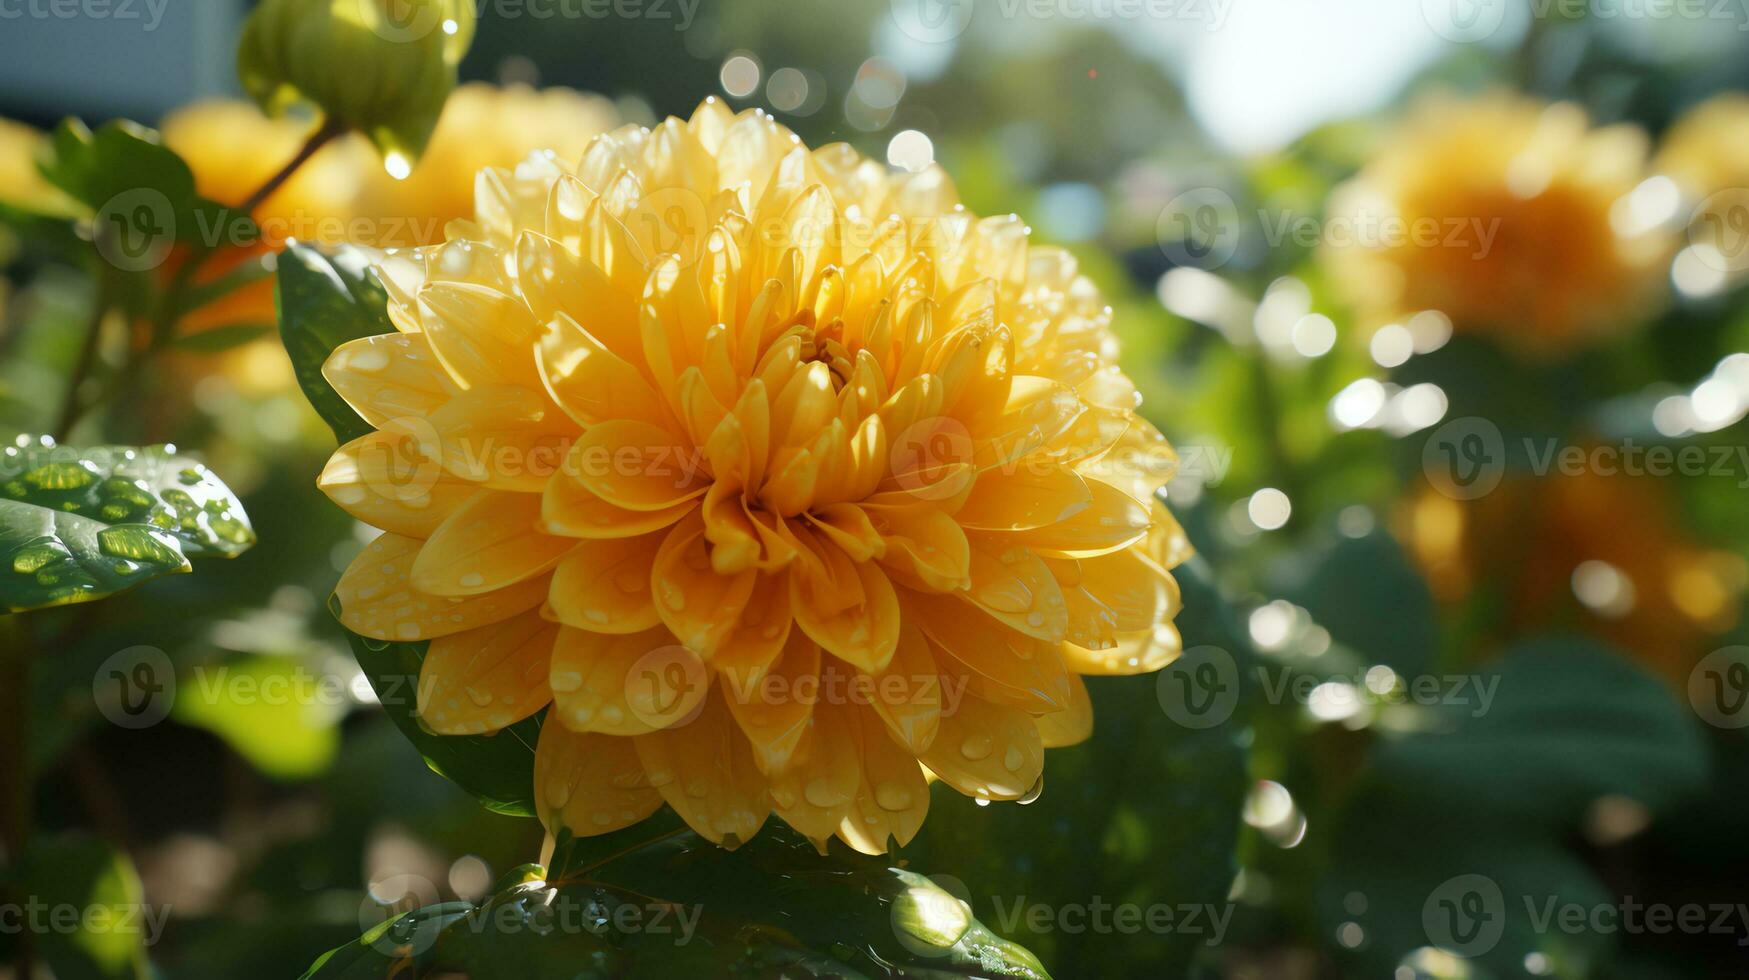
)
(1502, 213)
(1604, 554)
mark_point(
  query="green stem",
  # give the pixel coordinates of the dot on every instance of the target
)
(71, 404)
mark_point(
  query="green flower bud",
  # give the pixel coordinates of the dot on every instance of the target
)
(382, 67)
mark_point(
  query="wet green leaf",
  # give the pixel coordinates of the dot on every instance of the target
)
(155, 486)
(325, 300)
(656, 901)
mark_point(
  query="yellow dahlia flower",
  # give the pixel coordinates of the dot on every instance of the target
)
(1497, 211)
(783, 479)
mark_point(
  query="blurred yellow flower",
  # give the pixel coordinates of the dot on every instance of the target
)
(482, 127)
(1557, 553)
(21, 184)
(1703, 152)
(1502, 213)
(344, 193)
(782, 478)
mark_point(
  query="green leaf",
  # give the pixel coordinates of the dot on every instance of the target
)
(142, 194)
(270, 711)
(91, 922)
(56, 559)
(1146, 812)
(325, 300)
(224, 338)
(657, 901)
(1493, 787)
(1345, 586)
(498, 769)
(155, 486)
(1539, 736)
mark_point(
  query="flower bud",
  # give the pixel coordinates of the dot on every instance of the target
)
(382, 67)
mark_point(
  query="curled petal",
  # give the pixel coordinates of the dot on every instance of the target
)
(490, 542)
(987, 751)
(590, 784)
(377, 598)
(705, 771)
(488, 678)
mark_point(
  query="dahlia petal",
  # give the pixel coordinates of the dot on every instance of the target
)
(849, 527)
(590, 784)
(486, 679)
(773, 709)
(908, 694)
(636, 465)
(388, 377)
(814, 793)
(556, 282)
(700, 411)
(1015, 587)
(499, 436)
(734, 543)
(480, 335)
(591, 383)
(1119, 593)
(1072, 725)
(705, 771)
(1114, 520)
(1141, 652)
(490, 542)
(384, 480)
(1038, 411)
(1026, 498)
(996, 663)
(569, 508)
(925, 548)
(849, 608)
(699, 605)
(987, 751)
(625, 684)
(377, 598)
(892, 797)
(604, 585)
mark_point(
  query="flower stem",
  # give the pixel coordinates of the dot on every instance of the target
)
(72, 405)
